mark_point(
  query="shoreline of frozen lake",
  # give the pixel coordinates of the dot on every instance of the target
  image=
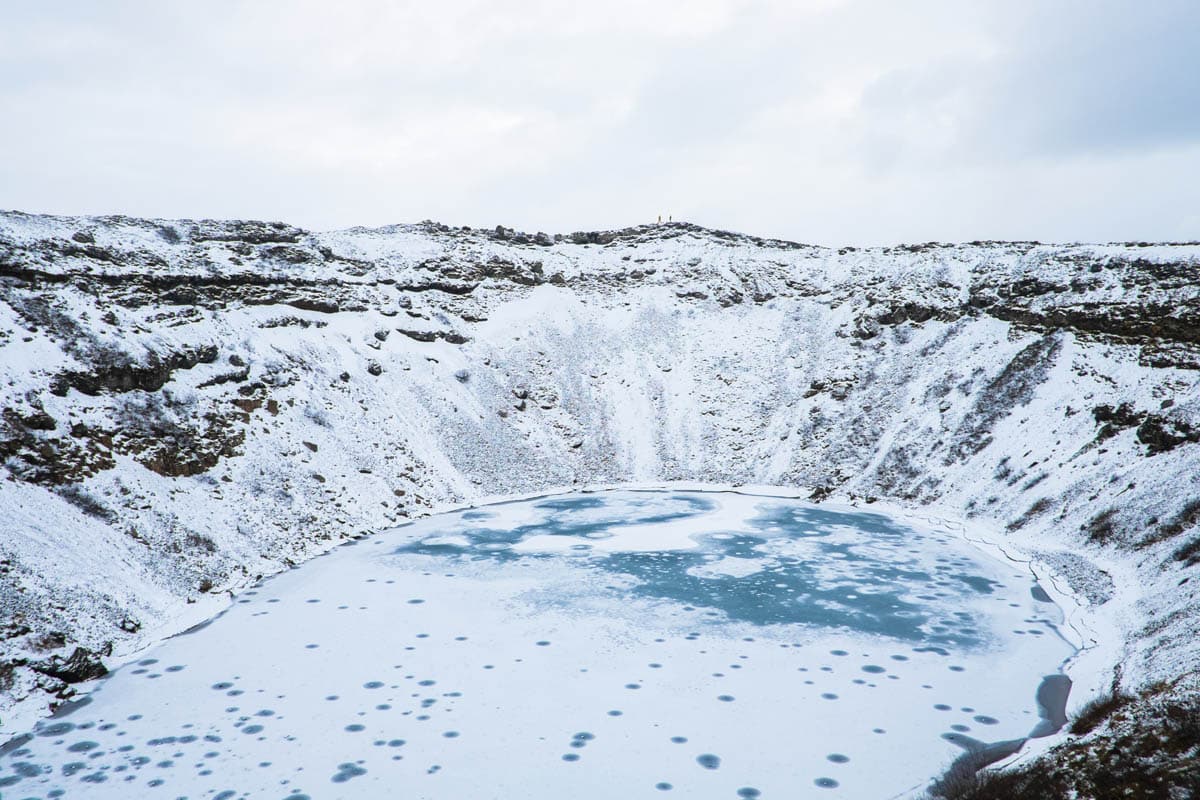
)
(619, 643)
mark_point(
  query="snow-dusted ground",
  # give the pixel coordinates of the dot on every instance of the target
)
(619, 644)
(192, 405)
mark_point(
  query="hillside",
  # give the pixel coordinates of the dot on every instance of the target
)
(191, 405)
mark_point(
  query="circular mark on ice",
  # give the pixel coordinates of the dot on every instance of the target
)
(983, 719)
(826, 783)
(748, 792)
(708, 760)
(346, 772)
(663, 786)
(837, 758)
(56, 729)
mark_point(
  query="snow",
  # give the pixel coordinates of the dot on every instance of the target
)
(635, 377)
(481, 673)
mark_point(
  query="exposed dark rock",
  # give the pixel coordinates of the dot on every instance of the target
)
(174, 444)
(115, 372)
(82, 665)
(37, 421)
(323, 306)
(236, 376)
(1188, 553)
(1158, 433)
(42, 459)
(593, 237)
(1114, 420)
(420, 336)
(449, 287)
(427, 336)
(519, 272)
(907, 312)
(47, 641)
(1161, 435)
(11, 629)
(248, 231)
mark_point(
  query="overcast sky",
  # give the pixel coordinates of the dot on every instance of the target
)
(825, 121)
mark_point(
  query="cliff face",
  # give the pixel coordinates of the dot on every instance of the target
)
(190, 405)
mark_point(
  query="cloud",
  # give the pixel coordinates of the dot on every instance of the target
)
(1056, 80)
(832, 120)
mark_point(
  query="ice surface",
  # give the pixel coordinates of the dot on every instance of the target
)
(616, 644)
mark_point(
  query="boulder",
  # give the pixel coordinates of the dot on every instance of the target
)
(82, 665)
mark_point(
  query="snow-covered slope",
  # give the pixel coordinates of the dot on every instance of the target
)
(190, 405)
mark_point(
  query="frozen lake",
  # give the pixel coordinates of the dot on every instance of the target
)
(619, 644)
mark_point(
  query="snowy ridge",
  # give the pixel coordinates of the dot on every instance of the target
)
(189, 405)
